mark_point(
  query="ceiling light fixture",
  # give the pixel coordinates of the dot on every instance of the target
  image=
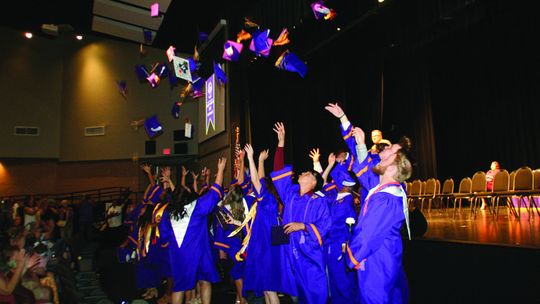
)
(79, 37)
(28, 35)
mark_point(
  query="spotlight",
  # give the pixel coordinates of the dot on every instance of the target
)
(380, 1)
(338, 29)
(28, 35)
(79, 37)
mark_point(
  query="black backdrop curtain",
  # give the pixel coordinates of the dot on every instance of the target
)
(467, 94)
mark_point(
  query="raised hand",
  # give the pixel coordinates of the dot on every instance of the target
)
(335, 110)
(279, 128)
(331, 159)
(315, 155)
(146, 168)
(184, 171)
(194, 175)
(263, 155)
(249, 151)
(359, 135)
(221, 164)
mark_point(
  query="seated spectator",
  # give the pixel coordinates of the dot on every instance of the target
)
(16, 265)
(65, 220)
(490, 177)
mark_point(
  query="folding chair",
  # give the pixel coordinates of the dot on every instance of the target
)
(464, 192)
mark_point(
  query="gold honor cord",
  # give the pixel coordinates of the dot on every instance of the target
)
(249, 218)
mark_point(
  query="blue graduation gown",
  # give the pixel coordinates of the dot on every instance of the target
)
(343, 282)
(375, 249)
(263, 260)
(190, 251)
(304, 256)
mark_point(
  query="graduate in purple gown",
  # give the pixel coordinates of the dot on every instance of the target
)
(230, 215)
(375, 249)
(262, 272)
(342, 281)
(184, 227)
(307, 221)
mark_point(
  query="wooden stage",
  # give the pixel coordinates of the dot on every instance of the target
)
(484, 229)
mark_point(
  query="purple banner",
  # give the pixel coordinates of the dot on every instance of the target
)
(210, 101)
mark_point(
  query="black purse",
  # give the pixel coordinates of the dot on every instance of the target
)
(278, 235)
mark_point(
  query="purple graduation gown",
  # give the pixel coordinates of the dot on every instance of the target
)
(304, 256)
(263, 260)
(188, 239)
(375, 249)
(343, 281)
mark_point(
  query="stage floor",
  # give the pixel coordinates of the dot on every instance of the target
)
(506, 231)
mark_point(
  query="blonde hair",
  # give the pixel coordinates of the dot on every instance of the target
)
(403, 165)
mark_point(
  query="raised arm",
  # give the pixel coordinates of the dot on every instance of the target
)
(183, 177)
(195, 184)
(315, 155)
(253, 169)
(331, 162)
(279, 160)
(166, 177)
(148, 170)
(221, 168)
(262, 157)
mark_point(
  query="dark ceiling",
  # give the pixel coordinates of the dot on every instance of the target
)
(181, 23)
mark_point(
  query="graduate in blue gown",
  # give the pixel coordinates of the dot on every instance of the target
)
(342, 281)
(263, 261)
(375, 249)
(184, 227)
(307, 221)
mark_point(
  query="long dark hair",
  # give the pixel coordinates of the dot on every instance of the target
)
(235, 199)
(146, 217)
(180, 198)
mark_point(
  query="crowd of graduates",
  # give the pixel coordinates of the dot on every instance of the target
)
(310, 235)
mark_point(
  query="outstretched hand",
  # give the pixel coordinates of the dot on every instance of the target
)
(249, 151)
(331, 159)
(279, 128)
(315, 155)
(184, 171)
(221, 164)
(359, 135)
(335, 109)
(146, 168)
(263, 155)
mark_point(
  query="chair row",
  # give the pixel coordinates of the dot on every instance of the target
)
(520, 187)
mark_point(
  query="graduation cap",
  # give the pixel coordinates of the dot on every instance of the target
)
(261, 43)
(147, 35)
(198, 85)
(170, 53)
(283, 38)
(183, 68)
(232, 50)
(162, 70)
(220, 74)
(154, 10)
(153, 79)
(341, 176)
(142, 72)
(242, 35)
(289, 62)
(321, 11)
(153, 127)
(175, 111)
(122, 88)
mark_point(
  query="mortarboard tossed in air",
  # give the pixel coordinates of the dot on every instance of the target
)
(142, 72)
(147, 36)
(220, 74)
(154, 10)
(289, 62)
(261, 43)
(321, 11)
(175, 110)
(153, 127)
(170, 53)
(122, 88)
(283, 38)
(232, 50)
(153, 80)
(198, 85)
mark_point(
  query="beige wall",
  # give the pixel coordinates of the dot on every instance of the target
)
(30, 94)
(62, 86)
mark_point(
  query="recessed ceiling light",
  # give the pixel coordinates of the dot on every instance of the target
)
(28, 35)
(79, 37)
